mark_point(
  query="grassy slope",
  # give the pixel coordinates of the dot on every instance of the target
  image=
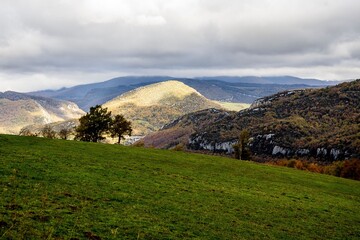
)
(232, 106)
(62, 189)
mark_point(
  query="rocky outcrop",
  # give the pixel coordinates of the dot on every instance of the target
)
(200, 143)
(267, 144)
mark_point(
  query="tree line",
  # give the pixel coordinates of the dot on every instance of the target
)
(93, 127)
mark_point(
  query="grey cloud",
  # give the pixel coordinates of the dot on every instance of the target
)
(40, 36)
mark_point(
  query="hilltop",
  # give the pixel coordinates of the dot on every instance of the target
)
(151, 107)
(56, 189)
(19, 110)
(320, 123)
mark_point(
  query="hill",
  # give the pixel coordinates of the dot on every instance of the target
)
(177, 133)
(88, 95)
(57, 189)
(319, 123)
(152, 106)
(225, 89)
(19, 110)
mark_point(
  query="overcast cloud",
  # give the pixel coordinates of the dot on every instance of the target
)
(50, 44)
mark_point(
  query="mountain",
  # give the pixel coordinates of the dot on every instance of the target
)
(312, 123)
(226, 89)
(19, 110)
(283, 80)
(152, 106)
(88, 95)
(237, 92)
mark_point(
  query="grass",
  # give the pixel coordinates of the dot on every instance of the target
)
(231, 106)
(55, 189)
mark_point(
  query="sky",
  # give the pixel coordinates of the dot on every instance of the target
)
(51, 44)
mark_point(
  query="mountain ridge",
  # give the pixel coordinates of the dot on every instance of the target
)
(214, 88)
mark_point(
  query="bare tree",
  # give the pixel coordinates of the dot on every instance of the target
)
(26, 132)
(48, 132)
(64, 133)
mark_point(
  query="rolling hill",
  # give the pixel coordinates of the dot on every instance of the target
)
(152, 106)
(314, 123)
(19, 110)
(56, 189)
(225, 89)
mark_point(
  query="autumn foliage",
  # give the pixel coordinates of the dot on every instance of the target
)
(346, 169)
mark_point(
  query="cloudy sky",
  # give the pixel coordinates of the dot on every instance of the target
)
(50, 44)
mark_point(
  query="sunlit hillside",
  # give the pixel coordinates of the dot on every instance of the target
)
(20, 110)
(152, 106)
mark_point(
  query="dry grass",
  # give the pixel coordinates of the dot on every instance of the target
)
(152, 94)
(232, 106)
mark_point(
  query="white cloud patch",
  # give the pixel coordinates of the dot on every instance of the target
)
(93, 38)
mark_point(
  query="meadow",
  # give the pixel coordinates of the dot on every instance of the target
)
(58, 189)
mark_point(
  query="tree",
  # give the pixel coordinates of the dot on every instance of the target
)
(64, 133)
(241, 149)
(26, 132)
(120, 127)
(48, 132)
(94, 125)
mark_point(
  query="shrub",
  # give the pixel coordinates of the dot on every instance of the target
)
(48, 132)
(351, 169)
(179, 147)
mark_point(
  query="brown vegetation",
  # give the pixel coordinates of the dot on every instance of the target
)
(346, 169)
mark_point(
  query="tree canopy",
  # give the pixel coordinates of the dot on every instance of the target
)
(98, 122)
(120, 127)
(94, 125)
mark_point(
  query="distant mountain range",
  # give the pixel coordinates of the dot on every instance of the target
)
(283, 80)
(152, 106)
(19, 110)
(313, 123)
(222, 88)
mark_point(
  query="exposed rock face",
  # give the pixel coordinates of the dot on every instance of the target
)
(19, 110)
(199, 143)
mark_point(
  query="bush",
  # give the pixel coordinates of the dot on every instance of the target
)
(48, 132)
(351, 169)
(179, 147)
(334, 169)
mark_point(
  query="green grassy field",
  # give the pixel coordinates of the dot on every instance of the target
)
(55, 189)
